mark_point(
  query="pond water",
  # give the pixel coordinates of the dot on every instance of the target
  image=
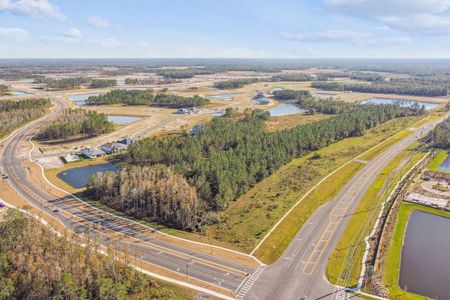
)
(425, 263)
(79, 177)
(122, 120)
(285, 109)
(80, 99)
(445, 166)
(218, 114)
(403, 103)
(323, 95)
(226, 97)
(20, 93)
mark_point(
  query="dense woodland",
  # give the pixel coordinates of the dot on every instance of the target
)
(146, 81)
(383, 88)
(37, 264)
(102, 83)
(234, 83)
(63, 83)
(149, 192)
(4, 90)
(231, 155)
(146, 97)
(16, 113)
(76, 122)
(182, 73)
(292, 77)
(441, 134)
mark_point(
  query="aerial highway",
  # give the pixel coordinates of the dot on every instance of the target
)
(300, 272)
(191, 260)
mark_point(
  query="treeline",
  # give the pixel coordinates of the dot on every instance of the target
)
(146, 97)
(37, 264)
(312, 104)
(383, 88)
(102, 83)
(155, 193)
(234, 83)
(441, 134)
(292, 77)
(63, 83)
(4, 90)
(75, 122)
(230, 156)
(16, 113)
(146, 81)
(183, 73)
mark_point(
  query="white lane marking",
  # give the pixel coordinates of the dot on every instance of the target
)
(249, 283)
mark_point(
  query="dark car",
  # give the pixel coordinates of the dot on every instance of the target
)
(2, 204)
(5, 176)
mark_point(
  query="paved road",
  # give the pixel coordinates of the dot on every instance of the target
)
(142, 242)
(300, 272)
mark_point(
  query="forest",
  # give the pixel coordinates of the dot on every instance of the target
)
(234, 83)
(182, 73)
(76, 122)
(292, 77)
(230, 156)
(16, 113)
(383, 88)
(441, 134)
(155, 193)
(61, 84)
(37, 264)
(102, 83)
(4, 90)
(146, 97)
(145, 81)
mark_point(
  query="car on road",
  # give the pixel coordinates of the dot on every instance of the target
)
(2, 204)
(4, 176)
(56, 210)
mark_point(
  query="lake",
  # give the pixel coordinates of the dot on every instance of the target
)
(425, 263)
(20, 93)
(80, 99)
(226, 97)
(122, 120)
(403, 103)
(79, 177)
(445, 166)
(323, 95)
(285, 109)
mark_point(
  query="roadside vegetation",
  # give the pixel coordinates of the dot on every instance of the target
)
(438, 160)
(61, 84)
(102, 83)
(4, 90)
(234, 83)
(146, 97)
(76, 123)
(441, 134)
(37, 264)
(13, 114)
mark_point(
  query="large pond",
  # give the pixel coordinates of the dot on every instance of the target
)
(80, 99)
(20, 93)
(122, 120)
(403, 103)
(79, 177)
(445, 166)
(226, 97)
(425, 263)
(285, 109)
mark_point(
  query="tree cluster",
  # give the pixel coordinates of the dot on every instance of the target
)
(230, 156)
(182, 73)
(383, 88)
(4, 90)
(16, 113)
(146, 81)
(441, 134)
(37, 264)
(76, 122)
(102, 83)
(234, 83)
(292, 77)
(146, 97)
(63, 83)
(155, 193)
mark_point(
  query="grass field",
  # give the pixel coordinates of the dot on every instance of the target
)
(351, 244)
(437, 161)
(391, 270)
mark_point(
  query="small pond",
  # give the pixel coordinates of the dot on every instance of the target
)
(425, 263)
(122, 120)
(79, 177)
(20, 93)
(285, 109)
(445, 166)
(226, 97)
(218, 114)
(323, 95)
(403, 103)
(80, 99)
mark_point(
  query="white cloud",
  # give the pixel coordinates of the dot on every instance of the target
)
(108, 42)
(73, 33)
(13, 33)
(410, 15)
(34, 8)
(98, 22)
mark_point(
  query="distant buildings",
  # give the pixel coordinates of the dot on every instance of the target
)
(183, 111)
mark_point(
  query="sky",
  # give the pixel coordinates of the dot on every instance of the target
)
(225, 29)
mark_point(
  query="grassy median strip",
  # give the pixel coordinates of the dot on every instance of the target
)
(438, 160)
(344, 266)
(391, 269)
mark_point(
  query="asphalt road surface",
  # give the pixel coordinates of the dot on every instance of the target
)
(300, 272)
(140, 241)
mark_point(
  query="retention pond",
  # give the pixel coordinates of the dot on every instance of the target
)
(79, 177)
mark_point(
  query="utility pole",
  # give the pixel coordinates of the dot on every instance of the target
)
(187, 270)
